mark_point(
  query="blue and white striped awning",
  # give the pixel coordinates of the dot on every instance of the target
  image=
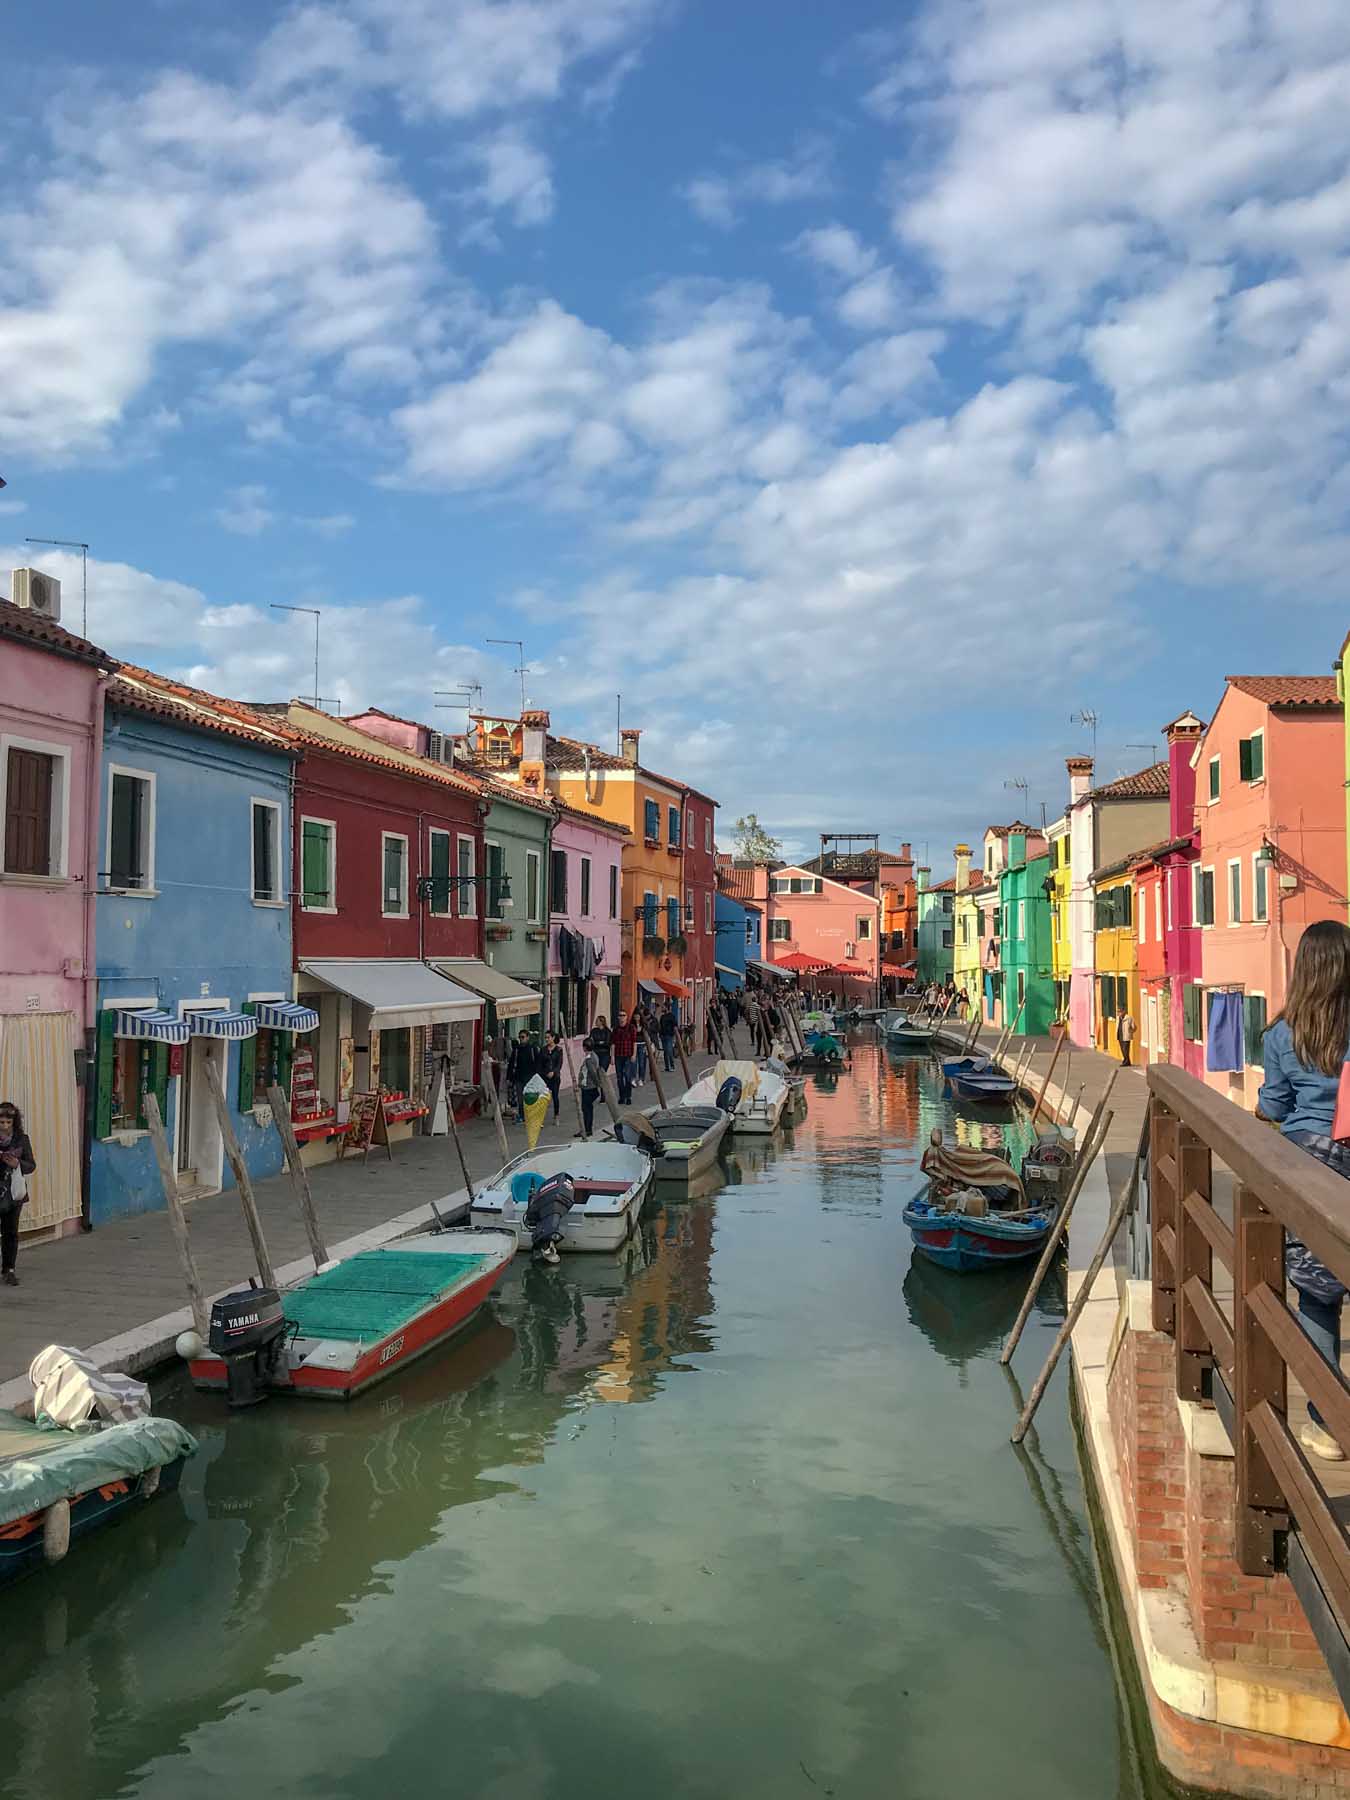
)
(284, 1015)
(146, 1022)
(204, 1023)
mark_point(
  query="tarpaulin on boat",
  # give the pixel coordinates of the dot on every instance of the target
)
(39, 1467)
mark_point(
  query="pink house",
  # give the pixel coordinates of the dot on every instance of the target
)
(1271, 799)
(585, 903)
(812, 919)
(51, 728)
(1169, 939)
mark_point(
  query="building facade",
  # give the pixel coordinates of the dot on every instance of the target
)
(1117, 961)
(739, 928)
(585, 949)
(827, 923)
(516, 902)
(1024, 905)
(700, 902)
(1169, 952)
(1061, 961)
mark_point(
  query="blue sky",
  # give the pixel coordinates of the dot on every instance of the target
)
(859, 391)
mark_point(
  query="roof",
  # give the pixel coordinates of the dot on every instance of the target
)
(380, 755)
(1002, 831)
(1124, 864)
(514, 795)
(1153, 783)
(139, 690)
(573, 756)
(1288, 690)
(740, 881)
(20, 622)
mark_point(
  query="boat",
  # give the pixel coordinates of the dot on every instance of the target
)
(764, 1096)
(816, 1021)
(823, 1051)
(795, 1080)
(966, 1065)
(689, 1139)
(610, 1182)
(988, 1088)
(354, 1322)
(973, 1213)
(909, 1033)
(60, 1482)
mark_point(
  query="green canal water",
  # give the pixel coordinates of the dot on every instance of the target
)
(732, 1515)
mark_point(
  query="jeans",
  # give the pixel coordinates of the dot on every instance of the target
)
(1125, 1053)
(1320, 1293)
(1321, 1320)
(602, 1057)
(588, 1098)
(668, 1052)
(9, 1238)
(555, 1088)
(623, 1069)
(641, 1062)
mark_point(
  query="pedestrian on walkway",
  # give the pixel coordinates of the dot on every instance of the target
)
(602, 1041)
(16, 1165)
(523, 1064)
(550, 1067)
(588, 1086)
(1125, 1035)
(625, 1056)
(642, 1018)
(668, 1028)
(1305, 1047)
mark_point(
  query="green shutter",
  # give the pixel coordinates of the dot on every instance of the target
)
(247, 1058)
(1190, 1010)
(314, 865)
(1258, 757)
(103, 1073)
(159, 1077)
(1213, 777)
(440, 872)
(1254, 1026)
(1245, 758)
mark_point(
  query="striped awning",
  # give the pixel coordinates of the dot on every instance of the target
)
(284, 1015)
(204, 1023)
(163, 1027)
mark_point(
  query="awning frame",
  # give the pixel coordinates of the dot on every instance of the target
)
(165, 1027)
(430, 1006)
(464, 970)
(285, 1015)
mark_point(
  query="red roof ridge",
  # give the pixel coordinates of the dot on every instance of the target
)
(1288, 690)
(23, 622)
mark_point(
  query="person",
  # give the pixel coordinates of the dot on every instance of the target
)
(16, 1155)
(1305, 1046)
(625, 1053)
(602, 1041)
(523, 1064)
(588, 1086)
(1125, 1035)
(668, 1036)
(963, 1005)
(643, 1020)
(550, 1067)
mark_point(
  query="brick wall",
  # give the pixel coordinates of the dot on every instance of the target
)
(1151, 1453)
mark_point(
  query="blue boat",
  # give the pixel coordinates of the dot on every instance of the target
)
(965, 1243)
(966, 1065)
(988, 1089)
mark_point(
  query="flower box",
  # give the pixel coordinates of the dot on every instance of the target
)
(654, 946)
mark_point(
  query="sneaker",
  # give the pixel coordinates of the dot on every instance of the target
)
(1321, 1443)
(9, 1278)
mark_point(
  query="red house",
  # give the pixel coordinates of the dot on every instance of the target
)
(388, 865)
(700, 904)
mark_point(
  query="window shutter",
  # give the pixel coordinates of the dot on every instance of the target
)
(104, 1053)
(285, 1057)
(672, 918)
(314, 865)
(651, 819)
(247, 1057)
(1245, 758)
(159, 1077)
(1254, 1026)
(1258, 757)
(440, 872)
(1213, 777)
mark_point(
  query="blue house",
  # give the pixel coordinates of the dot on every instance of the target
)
(739, 930)
(193, 939)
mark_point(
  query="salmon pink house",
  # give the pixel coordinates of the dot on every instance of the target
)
(812, 920)
(585, 939)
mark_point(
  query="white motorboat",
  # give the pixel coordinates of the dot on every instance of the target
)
(795, 1081)
(908, 1032)
(610, 1182)
(689, 1136)
(764, 1096)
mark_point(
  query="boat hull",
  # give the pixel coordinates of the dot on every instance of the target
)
(676, 1169)
(21, 1541)
(604, 1226)
(966, 1245)
(985, 1090)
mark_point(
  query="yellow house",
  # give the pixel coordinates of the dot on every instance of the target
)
(1116, 952)
(966, 972)
(1061, 951)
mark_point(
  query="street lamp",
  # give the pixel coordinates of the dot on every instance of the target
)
(431, 887)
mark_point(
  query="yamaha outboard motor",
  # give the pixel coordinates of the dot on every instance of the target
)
(729, 1094)
(248, 1328)
(549, 1206)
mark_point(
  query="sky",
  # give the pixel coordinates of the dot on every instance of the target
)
(864, 393)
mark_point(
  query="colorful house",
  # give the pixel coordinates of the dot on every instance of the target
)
(967, 970)
(700, 901)
(1061, 962)
(1024, 903)
(991, 954)
(1117, 967)
(816, 922)
(194, 951)
(1272, 857)
(516, 921)
(986, 894)
(937, 919)
(738, 924)
(585, 889)
(1168, 940)
(51, 730)
(900, 921)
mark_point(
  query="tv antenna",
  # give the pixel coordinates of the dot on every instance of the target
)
(280, 606)
(72, 544)
(1151, 748)
(470, 696)
(515, 644)
(1089, 719)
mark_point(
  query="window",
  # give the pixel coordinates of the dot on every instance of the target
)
(496, 873)
(131, 1081)
(1202, 895)
(707, 912)
(614, 890)
(532, 914)
(1234, 892)
(777, 885)
(1260, 903)
(1252, 757)
(394, 872)
(468, 893)
(266, 853)
(268, 1066)
(864, 928)
(318, 855)
(689, 912)
(395, 1060)
(557, 881)
(673, 826)
(439, 871)
(1192, 1011)
(1254, 1027)
(749, 932)
(651, 821)
(1021, 921)
(131, 832)
(1170, 877)
(36, 780)
(1143, 924)
(1157, 907)
(1021, 987)
(707, 834)
(585, 887)
(649, 915)
(1108, 997)
(946, 940)
(1213, 777)
(779, 930)
(672, 917)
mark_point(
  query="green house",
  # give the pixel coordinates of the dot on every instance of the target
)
(1025, 927)
(516, 842)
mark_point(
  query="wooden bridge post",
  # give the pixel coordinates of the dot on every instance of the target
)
(1164, 1176)
(1195, 1260)
(1259, 1377)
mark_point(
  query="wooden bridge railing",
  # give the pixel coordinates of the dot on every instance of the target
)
(1241, 1363)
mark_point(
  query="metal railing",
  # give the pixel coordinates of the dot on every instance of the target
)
(1240, 1359)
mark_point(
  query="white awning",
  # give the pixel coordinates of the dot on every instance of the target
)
(213, 1023)
(148, 1022)
(511, 998)
(398, 991)
(284, 1015)
(753, 962)
(724, 969)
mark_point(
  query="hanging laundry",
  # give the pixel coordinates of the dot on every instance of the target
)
(1223, 1048)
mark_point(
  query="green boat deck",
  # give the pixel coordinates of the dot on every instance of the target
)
(371, 1294)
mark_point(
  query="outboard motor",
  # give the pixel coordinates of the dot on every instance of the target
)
(546, 1214)
(247, 1330)
(729, 1094)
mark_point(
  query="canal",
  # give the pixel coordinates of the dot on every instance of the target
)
(733, 1515)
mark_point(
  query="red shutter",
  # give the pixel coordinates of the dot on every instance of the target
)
(28, 813)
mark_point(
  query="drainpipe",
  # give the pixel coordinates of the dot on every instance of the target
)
(90, 982)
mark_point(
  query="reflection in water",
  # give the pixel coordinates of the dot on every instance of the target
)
(731, 1513)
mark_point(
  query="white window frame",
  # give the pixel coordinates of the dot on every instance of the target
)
(274, 807)
(1211, 798)
(331, 826)
(1201, 869)
(1169, 877)
(780, 937)
(1157, 906)
(749, 932)
(446, 911)
(386, 910)
(467, 891)
(489, 845)
(533, 867)
(1256, 780)
(707, 912)
(585, 888)
(1261, 886)
(864, 927)
(60, 822)
(1234, 915)
(1021, 921)
(149, 891)
(1142, 923)
(707, 835)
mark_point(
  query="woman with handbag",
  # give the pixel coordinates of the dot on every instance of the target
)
(16, 1165)
(1306, 1050)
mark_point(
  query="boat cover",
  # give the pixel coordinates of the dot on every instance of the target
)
(69, 1387)
(39, 1466)
(971, 1168)
(365, 1297)
(747, 1073)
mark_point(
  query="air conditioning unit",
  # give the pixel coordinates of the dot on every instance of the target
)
(436, 746)
(36, 592)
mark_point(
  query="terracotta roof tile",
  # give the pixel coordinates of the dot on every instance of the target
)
(1002, 831)
(138, 690)
(20, 622)
(1288, 690)
(1153, 783)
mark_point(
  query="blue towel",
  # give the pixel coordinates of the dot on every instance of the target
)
(1224, 1047)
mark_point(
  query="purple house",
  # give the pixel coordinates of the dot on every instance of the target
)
(584, 937)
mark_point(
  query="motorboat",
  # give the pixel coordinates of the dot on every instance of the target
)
(966, 1065)
(987, 1088)
(353, 1322)
(909, 1033)
(762, 1101)
(973, 1212)
(796, 1081)
(610, 1182)
(689, 1138)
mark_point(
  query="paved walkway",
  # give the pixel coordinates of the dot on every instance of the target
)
(123, 1277)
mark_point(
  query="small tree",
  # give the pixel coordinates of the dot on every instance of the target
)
(753, 843)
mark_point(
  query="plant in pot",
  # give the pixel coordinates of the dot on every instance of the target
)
(677, 945)
(654, 946)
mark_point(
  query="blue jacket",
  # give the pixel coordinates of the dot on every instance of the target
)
(1301, 1099)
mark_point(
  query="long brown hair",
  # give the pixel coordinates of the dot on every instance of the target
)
(1317, 1007)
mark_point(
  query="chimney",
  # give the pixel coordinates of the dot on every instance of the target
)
(628, 741)
(533, 733)
(905, 854)
(921, 875)
(1080, 777)
(1182, 736)
(962, 854)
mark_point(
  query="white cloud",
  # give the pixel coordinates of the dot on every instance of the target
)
(514, 177)
(839, 250)
(246, 512)
(720, 198)
(872, 303)
(10, 508)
